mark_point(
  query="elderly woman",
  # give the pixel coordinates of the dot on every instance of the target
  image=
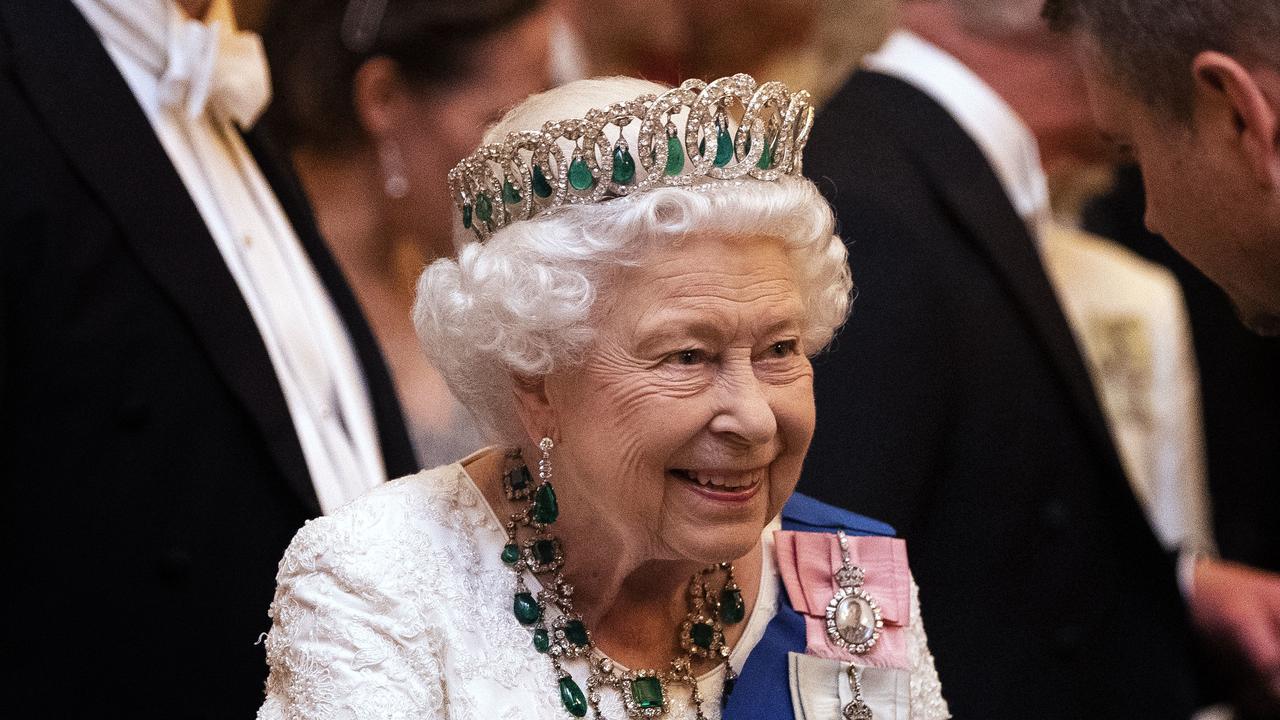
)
(643, 274)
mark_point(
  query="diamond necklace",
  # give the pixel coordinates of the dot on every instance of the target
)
(645, 692)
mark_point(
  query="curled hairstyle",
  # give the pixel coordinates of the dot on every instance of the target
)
(1149, 45)
(524, 303)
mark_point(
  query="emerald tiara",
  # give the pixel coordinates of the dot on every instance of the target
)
(587, 160)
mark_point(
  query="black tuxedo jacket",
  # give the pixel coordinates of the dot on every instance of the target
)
(956, 406)
(151, 475)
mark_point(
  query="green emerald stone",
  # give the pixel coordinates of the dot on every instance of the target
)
(646, 692)
(519, 478)
(724, 147)
(484, 208)
(576, 633)
(526, 608)
(510, 554)
(766, 156)
(510, 194)
(544, 551)
(624, 166)
(702, 635)
(675, 156)
(732, 608)
(541, 187)
(541, 640)
(580, 176)
(545, 507)
(572, 697)
(466, 215)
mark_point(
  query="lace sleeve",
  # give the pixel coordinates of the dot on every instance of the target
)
(926, 690)
(347, 639)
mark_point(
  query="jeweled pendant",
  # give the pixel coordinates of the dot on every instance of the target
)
(732, 607)
(572, 698)
(624, 166)
(545, 507)
(646, 693)
(541, 640)
(510, 554)
(510, 195)
(766, 155)
(675, 156)
(484, 208)
(541, 187)
(526, 608)
(517, 483)
(724, 146)
(853, 620)
(580, 177)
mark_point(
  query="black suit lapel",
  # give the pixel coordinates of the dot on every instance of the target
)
(90, 110)
(397, 451)
(969, 187)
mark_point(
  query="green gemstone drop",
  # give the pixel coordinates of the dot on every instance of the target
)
(510, 554)
(724, 147)
(466, 215)
(541, 187)
(675, 156)
(572, 697)
(541, 640)
(576, 632)
(526, 608)
(484, 208)
(544, 551)
(766, 156)
(545, 507)
(510, 194)
(732, 608)
(580, 176)
(624, 166)
(647, 693)
(702, 635)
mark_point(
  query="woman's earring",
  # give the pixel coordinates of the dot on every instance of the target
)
(394, 180)
(545, 507)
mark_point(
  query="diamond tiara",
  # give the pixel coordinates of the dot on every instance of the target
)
(582, 161)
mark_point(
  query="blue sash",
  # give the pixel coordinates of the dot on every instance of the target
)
(763, 689)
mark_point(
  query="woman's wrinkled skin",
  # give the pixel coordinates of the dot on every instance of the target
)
(697, 368)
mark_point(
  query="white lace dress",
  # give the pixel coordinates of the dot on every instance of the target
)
(399, 606)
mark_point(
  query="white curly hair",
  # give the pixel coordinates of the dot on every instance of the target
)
(521, 303)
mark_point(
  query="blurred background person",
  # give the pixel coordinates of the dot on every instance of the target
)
(185, 377)
(376, 100)
(988, 371)
(806, 43)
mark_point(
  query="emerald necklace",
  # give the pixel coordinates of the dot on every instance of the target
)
(645, 692)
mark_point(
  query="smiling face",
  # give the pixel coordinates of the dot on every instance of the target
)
(683, 431)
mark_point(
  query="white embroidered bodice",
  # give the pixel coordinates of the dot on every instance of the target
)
(399, 606)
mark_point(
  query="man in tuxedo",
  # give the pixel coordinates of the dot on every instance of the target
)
(184, 376)
(1192, 89)
(956, 405)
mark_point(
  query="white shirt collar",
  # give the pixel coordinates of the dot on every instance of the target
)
(1004, 139)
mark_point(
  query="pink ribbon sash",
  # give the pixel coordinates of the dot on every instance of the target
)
(808, 561)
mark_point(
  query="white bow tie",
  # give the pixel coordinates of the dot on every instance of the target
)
(211, 67)
(199, 67)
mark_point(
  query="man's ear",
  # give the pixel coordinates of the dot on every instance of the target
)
(1227, 92)
(534, 408)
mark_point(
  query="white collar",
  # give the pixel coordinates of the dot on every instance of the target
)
(198, 65)
(1004, 138)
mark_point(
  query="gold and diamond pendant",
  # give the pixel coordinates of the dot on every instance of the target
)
(644, 693)
(853, 617)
